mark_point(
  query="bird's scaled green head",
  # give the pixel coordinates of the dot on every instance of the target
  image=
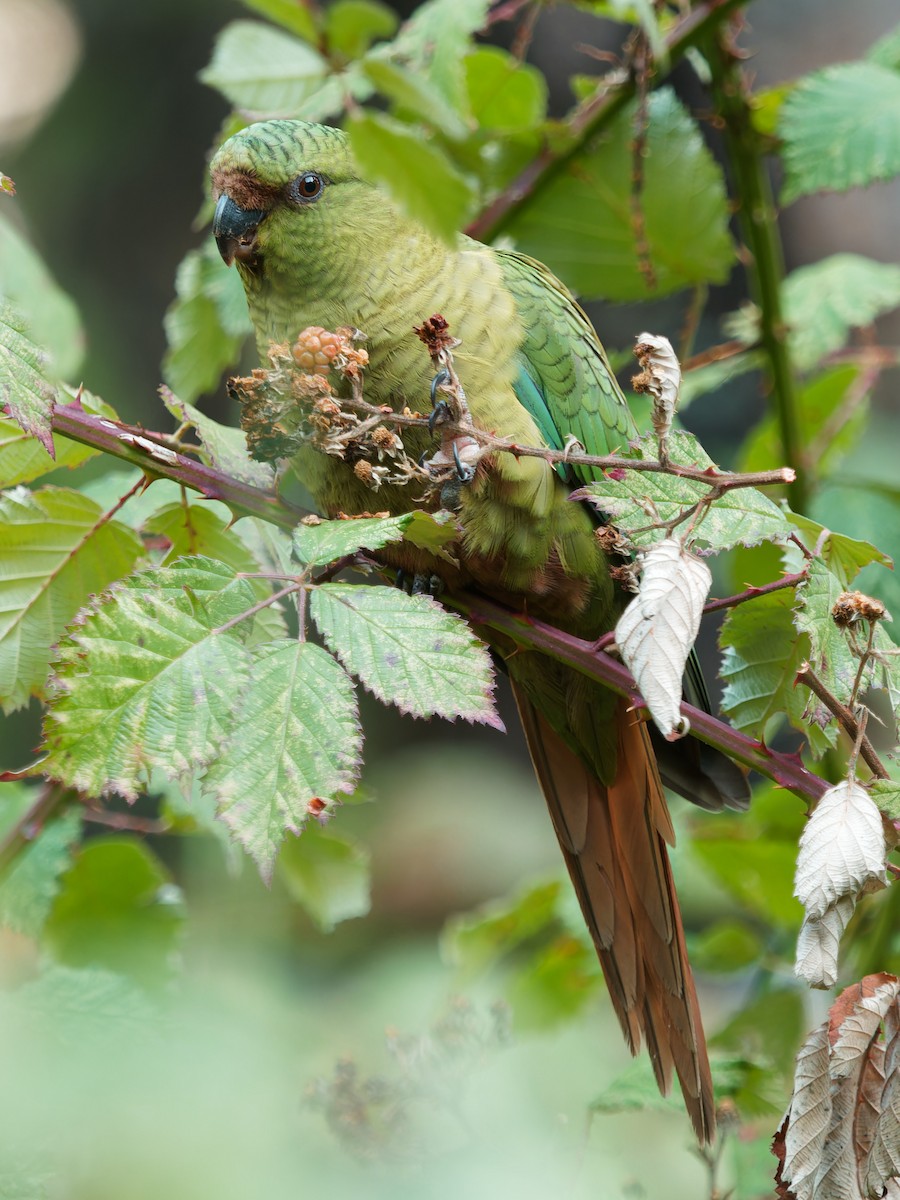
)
(275, 185)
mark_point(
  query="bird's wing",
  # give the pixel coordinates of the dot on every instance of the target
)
(565, 380)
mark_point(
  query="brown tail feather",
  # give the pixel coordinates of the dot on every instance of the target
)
(613, 839)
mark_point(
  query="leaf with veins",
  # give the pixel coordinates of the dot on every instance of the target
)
(656, 631)
(842, 849)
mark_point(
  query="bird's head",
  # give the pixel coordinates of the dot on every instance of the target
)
(277, 187)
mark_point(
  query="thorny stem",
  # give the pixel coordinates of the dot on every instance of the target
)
(527, 632)
(591, 117)
(845, 718)
(786, 581)
(765, 270)
(130, 444)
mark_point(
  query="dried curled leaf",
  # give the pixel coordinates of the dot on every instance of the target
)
(661, 378)
(838, 1140)
(656, 631)
(842, 856)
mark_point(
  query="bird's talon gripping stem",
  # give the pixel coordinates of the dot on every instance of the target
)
(465, 471)
(440, 409)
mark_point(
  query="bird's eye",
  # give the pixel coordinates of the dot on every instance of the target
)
(308, 186)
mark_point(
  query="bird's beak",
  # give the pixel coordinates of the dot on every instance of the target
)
(234, 229)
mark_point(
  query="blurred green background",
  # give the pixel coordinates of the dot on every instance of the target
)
(204, 1085)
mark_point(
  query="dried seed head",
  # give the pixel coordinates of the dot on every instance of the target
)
(851, 607)
(364, 472)
(435, 334)
(612, 542)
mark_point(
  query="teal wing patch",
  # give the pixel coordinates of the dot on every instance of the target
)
(564, 380)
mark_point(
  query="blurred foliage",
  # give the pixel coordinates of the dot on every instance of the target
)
(173, 1027)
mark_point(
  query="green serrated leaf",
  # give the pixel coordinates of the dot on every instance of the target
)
(25, 389)
(635, 1090)
(202, 325)
(117, 908)
(436, 39)
(322, 542)
(351, 26)
(264, 71)
(28, 886)
(57, 548)
(146, 681)
(743, 516)
(817, 401)
(580, 223)
(761, 657)
(408, 651)
(845, 556)
(414, 93)
(327, 874)
(866, 510)
(298, 740)
(504, 94)
(830, 654)
(886, 794)
(824, 301)
(51, 314)
(416, 174)
(840, 128)
(292, 15)
(477, 939)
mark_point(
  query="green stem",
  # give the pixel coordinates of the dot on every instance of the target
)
(765, 270)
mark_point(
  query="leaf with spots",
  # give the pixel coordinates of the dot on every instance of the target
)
(321, 542)
(408, 651)
(146, 679)
(299, 745)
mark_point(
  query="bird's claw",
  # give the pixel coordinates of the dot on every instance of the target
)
(465, 471)
(440, 409)
(419, 584)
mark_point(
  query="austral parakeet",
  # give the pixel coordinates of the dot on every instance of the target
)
(318, 245)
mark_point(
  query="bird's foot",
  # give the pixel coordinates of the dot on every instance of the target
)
(419, 584)
(440, 409)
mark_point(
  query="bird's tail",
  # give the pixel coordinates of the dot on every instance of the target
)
(613, 837)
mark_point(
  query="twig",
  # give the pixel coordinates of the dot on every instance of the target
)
(786, 581)
(125, 821)
(722, 480)
(50, 797)
(845, 718)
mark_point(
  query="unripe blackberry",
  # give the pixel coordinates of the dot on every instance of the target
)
(316, 348)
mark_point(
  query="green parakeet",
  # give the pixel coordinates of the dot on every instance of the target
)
(316, 244)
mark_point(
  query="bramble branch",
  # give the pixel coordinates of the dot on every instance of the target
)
(529, 633)
(592, 116)
(845, 719)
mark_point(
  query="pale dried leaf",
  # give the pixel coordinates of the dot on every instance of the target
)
(842, 849)
(883, 1165)
(855, 1069)
(809, 1115)
(818, 943)
(661, 378)
(656, 631)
